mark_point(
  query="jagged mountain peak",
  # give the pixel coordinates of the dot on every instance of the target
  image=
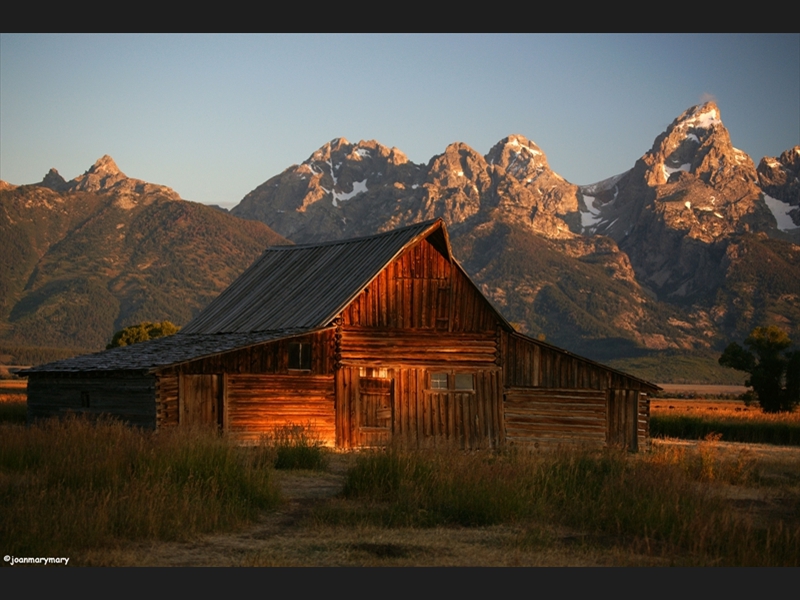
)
(704, 116)
(519, 157)
(105, 176)
(54, 181)
(340, 149)
(698, 143)
(105, 165)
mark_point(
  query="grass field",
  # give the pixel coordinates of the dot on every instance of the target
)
(71, 486)
(106, 494)
(732, 420)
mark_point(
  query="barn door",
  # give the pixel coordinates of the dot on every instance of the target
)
(200, 398)
(375, 415)
(623, 419)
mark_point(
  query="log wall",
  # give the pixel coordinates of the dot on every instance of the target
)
(258, 404)
(167, 403)
(552, 417)
(128, 397)
(395, 347)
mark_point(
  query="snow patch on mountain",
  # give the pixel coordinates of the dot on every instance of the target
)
(358, 188)
(780, 210)
(670, 170)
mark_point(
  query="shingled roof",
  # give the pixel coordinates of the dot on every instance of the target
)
(288, 291)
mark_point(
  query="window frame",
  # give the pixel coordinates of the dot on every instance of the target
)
(451, 382)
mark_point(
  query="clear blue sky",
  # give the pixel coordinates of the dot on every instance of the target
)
(213, 116)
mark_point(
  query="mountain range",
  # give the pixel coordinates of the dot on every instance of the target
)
(690, 248)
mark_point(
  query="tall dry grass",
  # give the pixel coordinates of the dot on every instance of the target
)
(297, 447)
(72, 485)
(661, 503)
(734, 421)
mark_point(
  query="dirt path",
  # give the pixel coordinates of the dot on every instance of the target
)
(290, 536)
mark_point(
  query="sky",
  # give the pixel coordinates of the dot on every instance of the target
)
(214, 116)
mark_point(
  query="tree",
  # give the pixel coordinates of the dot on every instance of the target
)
(774, 371)
(141, 333)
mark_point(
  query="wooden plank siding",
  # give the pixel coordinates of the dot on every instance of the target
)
(389, 341)
(643, 425)
(552, 397)
(129, 397)
(550, 417)
(421, 290)
(420, 416)
(623, 419)
(258, 404)
(395, 347)
(269, 357)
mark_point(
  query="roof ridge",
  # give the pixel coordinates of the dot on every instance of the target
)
(421, 225)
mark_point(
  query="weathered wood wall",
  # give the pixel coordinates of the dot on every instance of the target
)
(419, 316)
(550, 417)
(269, 357)
(167, 400)
(420, 416)
(554, 397)
(258, 404)
(258, 390)
(623, 419)
(529, 363)
(643, 428)
(421, 290)
(364, 346)
(123, 395)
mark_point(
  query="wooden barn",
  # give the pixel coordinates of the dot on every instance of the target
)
(368, 341)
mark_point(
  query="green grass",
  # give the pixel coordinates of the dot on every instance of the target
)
(72, 485)
(650, 503)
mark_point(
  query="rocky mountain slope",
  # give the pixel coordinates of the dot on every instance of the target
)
(692, 247)
(85, 257)
(683, 251)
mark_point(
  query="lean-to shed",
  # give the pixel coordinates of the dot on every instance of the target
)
(368, 341)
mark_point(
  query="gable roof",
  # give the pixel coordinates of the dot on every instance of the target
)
(307, 286)
(288, 291)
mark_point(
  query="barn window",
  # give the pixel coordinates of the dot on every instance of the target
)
(464, 381)
(438, 381)
(300, 356)
(458, 382)
(85, 400)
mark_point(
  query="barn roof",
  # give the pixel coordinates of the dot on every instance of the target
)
(307, 286)
(161, 352)
(288, 291)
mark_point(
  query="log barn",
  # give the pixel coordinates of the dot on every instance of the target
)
(368, 341)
